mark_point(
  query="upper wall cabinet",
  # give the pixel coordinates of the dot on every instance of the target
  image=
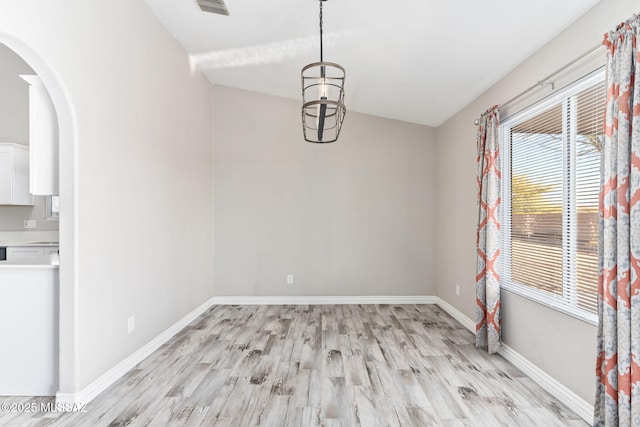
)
(14, 174)
(43, 139)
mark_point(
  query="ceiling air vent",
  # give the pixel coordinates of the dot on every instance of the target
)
(213, 6)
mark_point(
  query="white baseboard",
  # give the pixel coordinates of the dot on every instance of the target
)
(544, 380)
(88, 393)
(457, 314)
(577, 404)
(319, 300)
(562, 393)
(112, 375)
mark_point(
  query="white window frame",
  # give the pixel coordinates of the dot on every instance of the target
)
(565, 303)
(49, 213)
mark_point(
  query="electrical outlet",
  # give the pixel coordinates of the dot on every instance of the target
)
(458, 290)
(29, 223)
(131, 324)
(289, 279)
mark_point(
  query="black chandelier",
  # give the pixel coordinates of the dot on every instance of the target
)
(323, 107)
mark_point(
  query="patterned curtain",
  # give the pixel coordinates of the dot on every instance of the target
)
(618, 363)
(488, 235)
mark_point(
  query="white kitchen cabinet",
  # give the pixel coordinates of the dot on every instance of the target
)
(14, 174)
(43, 139)
(29, 331)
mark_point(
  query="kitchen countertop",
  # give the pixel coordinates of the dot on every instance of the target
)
(26, 244)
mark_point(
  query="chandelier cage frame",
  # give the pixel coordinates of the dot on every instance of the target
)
(323, 108)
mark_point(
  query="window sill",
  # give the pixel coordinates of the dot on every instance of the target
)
(551, 301)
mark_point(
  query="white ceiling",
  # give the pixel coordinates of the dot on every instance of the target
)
(419, 61)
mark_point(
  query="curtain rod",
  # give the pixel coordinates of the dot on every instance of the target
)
(544, 80)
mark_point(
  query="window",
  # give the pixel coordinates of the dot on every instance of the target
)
(551, 183)
(52, 210)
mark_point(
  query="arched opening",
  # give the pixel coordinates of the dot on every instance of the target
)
(67, 348)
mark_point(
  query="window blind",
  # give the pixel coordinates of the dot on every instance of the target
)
(551, 183)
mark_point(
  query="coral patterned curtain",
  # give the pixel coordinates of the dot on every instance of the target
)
(488, 235)
(618, 363)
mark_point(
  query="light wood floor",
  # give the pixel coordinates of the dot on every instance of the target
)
(344, 365)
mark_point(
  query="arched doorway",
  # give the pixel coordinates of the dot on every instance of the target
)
(67, 229)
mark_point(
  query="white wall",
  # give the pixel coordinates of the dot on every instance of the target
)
(350, 218)
(560, 345)
(136, 172)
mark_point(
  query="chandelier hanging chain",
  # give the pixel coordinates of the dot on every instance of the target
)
(321, 57)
